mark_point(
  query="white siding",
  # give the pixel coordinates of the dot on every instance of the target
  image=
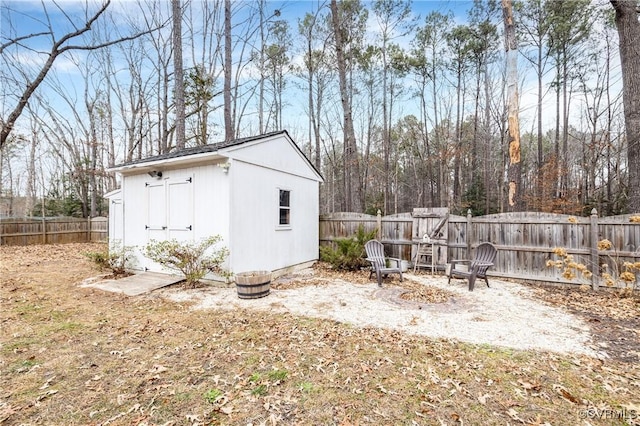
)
(211, 204)
(240, 204)
(187, 205)
(258, 242)
(135, 215)
(116, 219)
(278, 154)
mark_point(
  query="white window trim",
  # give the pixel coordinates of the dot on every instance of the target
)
(280, 226)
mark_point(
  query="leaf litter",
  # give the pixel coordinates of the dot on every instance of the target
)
(82, 356)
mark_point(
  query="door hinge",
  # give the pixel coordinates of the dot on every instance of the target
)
(146, 227)
(189, 180)
(189, 227)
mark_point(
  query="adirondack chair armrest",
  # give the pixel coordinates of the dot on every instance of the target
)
(395, 259)
(457, 261)
(374, 262)
(452, 268)
(485, 265)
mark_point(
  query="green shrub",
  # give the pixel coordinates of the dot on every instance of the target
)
(349, 254)
(193, 259)
(115, 259)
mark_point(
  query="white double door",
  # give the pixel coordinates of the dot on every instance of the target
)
(170, 213)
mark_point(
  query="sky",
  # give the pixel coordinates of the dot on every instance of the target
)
(23, 17)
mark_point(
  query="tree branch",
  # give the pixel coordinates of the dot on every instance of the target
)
(19, 39)
(56, 50)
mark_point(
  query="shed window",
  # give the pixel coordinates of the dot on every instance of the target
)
(285, 207)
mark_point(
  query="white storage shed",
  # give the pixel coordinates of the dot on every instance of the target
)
(261, 194)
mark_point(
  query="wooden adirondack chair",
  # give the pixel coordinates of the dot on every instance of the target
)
(375, 255)
(477, 267)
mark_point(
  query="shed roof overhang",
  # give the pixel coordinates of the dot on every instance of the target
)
(204, 154)
(173, 162)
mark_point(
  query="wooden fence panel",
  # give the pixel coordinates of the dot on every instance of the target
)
(99, 229)
(52, 230)
(457, 237)
(343, 225)
(624, 236)
(525, 240)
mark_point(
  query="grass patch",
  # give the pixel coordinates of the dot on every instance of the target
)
(277, 375)
(96, 358)
(212, 395)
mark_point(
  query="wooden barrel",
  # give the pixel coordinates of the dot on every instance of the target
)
(253, 285)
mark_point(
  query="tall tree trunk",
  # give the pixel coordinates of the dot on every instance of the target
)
(352, 170)
(386, 143)
(178, 88)
(436, 136)
(564, 179)
(229, 133)
(540, 165)
(629, 34)
(457, 168)
(556, 138)
(513, 124)
(32, 193)
(262, 60)
(607, 137)
(486, 136)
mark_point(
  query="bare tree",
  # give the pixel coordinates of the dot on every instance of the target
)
(229, 129)
(58, 47)
(533, 26)
(351, 164)
(629, 33)
(394, 19)
(201, 85)
(178, 74)
(513, 123)
(160, 58)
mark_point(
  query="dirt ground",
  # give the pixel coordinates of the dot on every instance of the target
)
(71, 355)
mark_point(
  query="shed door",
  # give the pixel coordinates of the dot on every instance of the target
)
(180, 209)
(169, 211)
(116, 224)
(156, 211)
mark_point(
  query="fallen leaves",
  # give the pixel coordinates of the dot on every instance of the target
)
(613, 317)
(47, 394)
(148, 361)
(566, 394)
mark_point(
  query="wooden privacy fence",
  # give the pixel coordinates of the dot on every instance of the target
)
(22, 232)
(525, 240)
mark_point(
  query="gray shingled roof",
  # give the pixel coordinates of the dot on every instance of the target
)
(201, 149)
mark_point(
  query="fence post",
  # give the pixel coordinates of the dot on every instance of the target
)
(44, 230)
(595, 261)
(469, 225)
(89, 229)
(379, 224)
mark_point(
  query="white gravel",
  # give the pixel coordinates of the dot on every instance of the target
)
(503, 315)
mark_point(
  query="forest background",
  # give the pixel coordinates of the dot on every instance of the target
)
(424, 82)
